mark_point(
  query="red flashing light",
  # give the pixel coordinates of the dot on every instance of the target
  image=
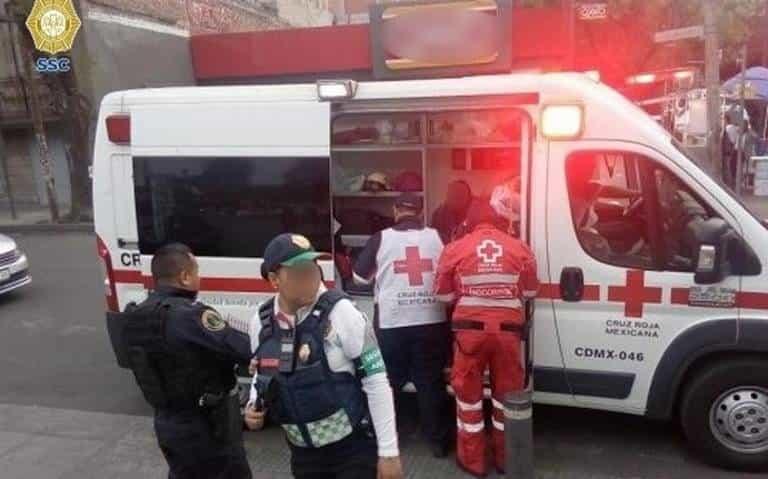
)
(119, 129)
(642, 79)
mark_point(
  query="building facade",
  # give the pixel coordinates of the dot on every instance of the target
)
(123, 44)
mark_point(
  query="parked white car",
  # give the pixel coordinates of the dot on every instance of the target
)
(14, 268)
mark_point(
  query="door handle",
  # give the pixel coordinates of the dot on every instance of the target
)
(572, 284)
(127, 244)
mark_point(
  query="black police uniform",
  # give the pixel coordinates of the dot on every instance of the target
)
(183, 354)
(324, 413)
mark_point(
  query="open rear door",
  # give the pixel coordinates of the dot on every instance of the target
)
(225, 178)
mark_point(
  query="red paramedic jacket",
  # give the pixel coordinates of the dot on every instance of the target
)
(486, 274)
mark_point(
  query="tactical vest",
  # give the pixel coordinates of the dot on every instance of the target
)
(170, 377)
(315, 405)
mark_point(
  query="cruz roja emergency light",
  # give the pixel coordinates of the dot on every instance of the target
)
(562, 122)
(336, 89)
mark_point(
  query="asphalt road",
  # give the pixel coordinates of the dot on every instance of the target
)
(54, 352)
(54, 349)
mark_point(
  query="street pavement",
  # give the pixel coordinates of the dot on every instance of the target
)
(67, 411)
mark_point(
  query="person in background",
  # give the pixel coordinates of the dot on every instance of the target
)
(411, 323)
(730, 150)
(451, 214)
(505, 200)
(487, 275)
(319, 373)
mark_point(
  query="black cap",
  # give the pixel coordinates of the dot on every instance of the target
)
(288, 249)
(410, 200)
(481, 211)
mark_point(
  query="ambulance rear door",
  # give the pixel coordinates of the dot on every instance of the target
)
(224, 178)
(624, 267)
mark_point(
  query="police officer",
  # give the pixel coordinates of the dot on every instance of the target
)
(486, 274)
(183, 355)
(319, 373)
(412, 325)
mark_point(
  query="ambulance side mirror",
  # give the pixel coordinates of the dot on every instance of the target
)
(712, 237)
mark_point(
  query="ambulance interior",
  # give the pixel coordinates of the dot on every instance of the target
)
(378, 156)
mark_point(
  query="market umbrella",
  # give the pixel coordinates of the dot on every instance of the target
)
(757, 83)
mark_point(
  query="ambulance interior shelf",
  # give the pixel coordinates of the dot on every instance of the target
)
(364, 187)
(378, 156)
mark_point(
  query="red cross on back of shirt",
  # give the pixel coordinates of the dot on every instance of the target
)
(635, 294)
(490, 251)
(414, 266)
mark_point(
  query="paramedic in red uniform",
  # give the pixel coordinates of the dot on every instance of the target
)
(487, 274)
(412, 326)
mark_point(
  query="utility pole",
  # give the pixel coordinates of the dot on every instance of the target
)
(712, 80)
(35, 107)
(742, 141)
(6, 175)
(77, 114)
(3, 155)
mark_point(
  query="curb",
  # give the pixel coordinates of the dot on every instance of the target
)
(48, 228)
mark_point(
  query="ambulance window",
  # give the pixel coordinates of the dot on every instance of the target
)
(678, 206)
(608, 208)
(231, 207)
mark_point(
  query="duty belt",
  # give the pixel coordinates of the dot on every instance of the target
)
(468, 324)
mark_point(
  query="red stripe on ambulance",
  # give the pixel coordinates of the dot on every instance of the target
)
(229, 285)
(552, 291)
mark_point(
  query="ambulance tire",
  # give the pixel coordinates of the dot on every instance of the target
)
(722, 386)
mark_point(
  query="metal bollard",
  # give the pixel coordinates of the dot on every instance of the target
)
(518, 434)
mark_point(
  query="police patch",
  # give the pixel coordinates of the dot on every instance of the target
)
(212, 321)
(371, 362)
(301, 241)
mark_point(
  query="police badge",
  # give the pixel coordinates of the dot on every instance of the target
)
(304, 353)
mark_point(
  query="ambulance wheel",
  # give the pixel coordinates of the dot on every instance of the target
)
(724, 414)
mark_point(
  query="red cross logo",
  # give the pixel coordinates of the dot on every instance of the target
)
(635, 294)
(413, 265)
(489, 251)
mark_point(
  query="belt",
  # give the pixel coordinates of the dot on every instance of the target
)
(468, 324)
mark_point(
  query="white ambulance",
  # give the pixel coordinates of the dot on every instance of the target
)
(655, 278)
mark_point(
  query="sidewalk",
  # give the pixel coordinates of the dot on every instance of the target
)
(35, 218)
(43, 443)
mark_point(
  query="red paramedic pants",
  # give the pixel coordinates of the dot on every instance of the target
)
(480, 345)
